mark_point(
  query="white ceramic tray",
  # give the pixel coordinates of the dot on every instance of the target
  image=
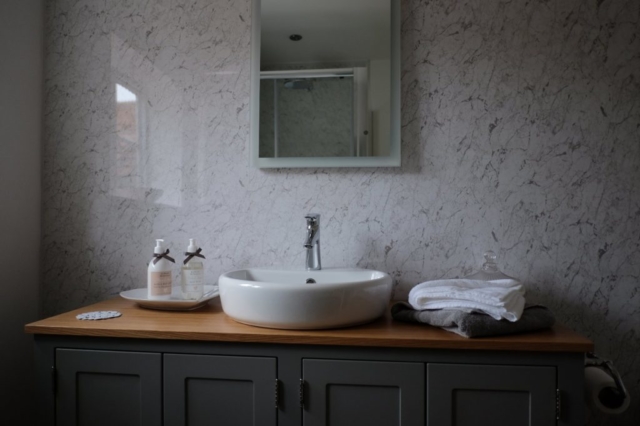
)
(139, 295)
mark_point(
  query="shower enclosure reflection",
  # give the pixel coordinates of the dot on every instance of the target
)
(316, 113)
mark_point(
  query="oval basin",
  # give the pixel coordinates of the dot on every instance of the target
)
(281, 298)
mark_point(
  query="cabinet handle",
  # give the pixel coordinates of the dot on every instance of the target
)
(301, 393)
(54, 380)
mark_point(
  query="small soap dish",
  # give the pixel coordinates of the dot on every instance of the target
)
(139, 295)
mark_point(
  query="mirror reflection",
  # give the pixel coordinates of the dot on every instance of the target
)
(325, 78)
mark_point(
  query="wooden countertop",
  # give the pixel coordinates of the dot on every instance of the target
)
(210, 323)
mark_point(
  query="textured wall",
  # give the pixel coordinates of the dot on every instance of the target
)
(520, 133)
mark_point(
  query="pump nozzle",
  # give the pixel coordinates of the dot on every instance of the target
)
(159, 249)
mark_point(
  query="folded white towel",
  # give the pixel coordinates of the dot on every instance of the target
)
(497, 298)
(511, 312)
(467, 283)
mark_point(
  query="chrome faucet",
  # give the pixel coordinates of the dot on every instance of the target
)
(312, 242)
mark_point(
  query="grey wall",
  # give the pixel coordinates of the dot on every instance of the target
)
(520, 133)
(20, 141)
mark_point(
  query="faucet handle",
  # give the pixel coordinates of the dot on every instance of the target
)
(312, 218)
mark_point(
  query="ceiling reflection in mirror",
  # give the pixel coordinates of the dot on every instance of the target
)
(325, 78)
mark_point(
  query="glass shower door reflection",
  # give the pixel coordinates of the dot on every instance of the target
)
(310, 115)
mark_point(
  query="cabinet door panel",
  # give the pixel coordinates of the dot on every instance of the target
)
(478, 395)
(206, 389)
(97, 388)
(363, 393)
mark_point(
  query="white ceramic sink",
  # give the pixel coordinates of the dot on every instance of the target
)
(281, 298)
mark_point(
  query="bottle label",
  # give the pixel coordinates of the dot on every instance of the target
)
(160, 283)
(192, 280)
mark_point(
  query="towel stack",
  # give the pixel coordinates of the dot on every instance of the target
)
(473, 308)
(500, 299)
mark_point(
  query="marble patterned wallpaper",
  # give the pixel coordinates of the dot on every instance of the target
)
(520, 133)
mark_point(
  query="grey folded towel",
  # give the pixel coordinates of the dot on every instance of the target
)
(534, 317)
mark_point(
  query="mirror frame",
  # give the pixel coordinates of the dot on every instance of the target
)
(393, 160)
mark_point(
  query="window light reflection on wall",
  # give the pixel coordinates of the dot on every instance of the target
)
(127, 147)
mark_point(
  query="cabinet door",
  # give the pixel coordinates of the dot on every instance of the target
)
(479, 395)
(347, 393)
(107, 388)
(221, 390)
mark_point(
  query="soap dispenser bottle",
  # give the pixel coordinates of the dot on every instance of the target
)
(192, 275)
(159, 275)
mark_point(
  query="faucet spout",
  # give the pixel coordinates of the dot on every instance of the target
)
(312, 242)
(313, 236)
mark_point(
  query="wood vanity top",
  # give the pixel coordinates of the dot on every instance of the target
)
(210, 323)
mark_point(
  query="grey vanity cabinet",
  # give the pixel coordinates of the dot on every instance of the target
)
(491, 395)
(107, 388)
(347, 393)
(152, 382)
(223, 390)
(96, 388)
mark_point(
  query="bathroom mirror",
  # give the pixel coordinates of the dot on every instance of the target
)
(325, 83)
